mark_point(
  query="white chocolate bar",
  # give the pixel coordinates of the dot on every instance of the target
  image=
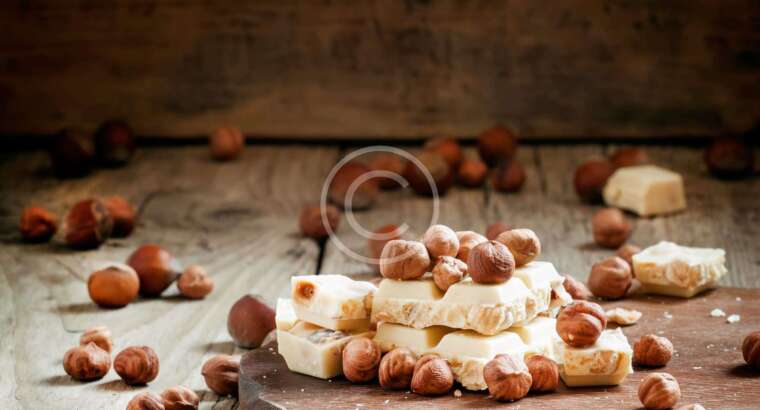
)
(284, 316)
(646, 190)
(332, 301)
(674, 270)
(606, 363)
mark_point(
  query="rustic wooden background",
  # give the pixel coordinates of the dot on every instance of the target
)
(388, 69)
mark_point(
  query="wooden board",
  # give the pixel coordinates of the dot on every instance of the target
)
(707, 364)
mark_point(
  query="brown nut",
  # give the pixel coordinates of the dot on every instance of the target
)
(361, 359)
(380, 237)
(88, 362)
(576, 288)
(226, 143)
(652, 351)
(472, 172)
(194, 282)
(730, 158)
(432, 376)
(100, 335)
(590, 178)
(659, 391)
(509, 176)
(497, 144)
(388, 162)
(610, 228)
(522, 243)
(349, 188)
(180, 398)
(448, 271)
(136, 365)
(448, 148)
(508, 379)
(751, 349)
(72, 153)
(146, 401)
(114, 286)
(495, 229)
(156, 268)
(404, 260)
(628, 157)
(490, 262)
(123, 215)
(544, 372)
(249, 321)
(610, 278)
(467, 241)
(37, 224)
(581, 323)
(114, 143)
(311, 223)
(440, 240)
(87, 224)
(626, 253)
(397, 368)
(222, 373)
(436, 166)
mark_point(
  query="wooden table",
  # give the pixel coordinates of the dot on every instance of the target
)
(239, 220)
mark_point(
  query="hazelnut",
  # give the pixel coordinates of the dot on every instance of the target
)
(136, 365)
(114, 143)
(180, 398)
(437, 167)
(751, 349)
(361, 359)
(497, 144)
(448, 271)
(490, 262)
(114, 286)
(222, 373)
(194, 283)
(628, 157)
(448, 148)
(508, 379)
(226, 143)
(472, 172)
(522, 243)
(581, 323)
(37, 224)
(590, 178)
(659, 391)
(348, 189)
(610, 228)
(544, 372)
(311, 224)
(652, 351)
(626, 253)
(509, 176)
(380, 237)
(388, 162)
(146, 401)
(403, 259)
(72, 153)
(495, 229)
(576, 288)
(87, 224)
(467, 241)
(397, 368)
(729, 158)
(432, 376)
(100, 335)
(88, 362)
(156, 268)
(249, 321)
(440, 240)
(123, 215)
(610, 278)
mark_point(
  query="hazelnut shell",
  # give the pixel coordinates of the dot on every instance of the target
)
(361, 196)
(249, 321)
(581, 323)
(114, 143)
(448, 271)
(385, 234)
(100, 335)
(495, 229)
(87, 224)
(311, 224)
(448, 148)
(507, 378)
(522, 243)
(751, 349)
(180, 398)
(37, 224)
(123, 214)
(361, 360)
(610, 278)
(590, 178)
(652, 351)
(404, 260)
(440, 240)
(439, 170)
(226, 143)
(544, 372)
(509, 176)
(156, 268)
(88, 362)
(659, 391)
(136, 365)
(472, 173)
(222, 373)
(114, 286)
(388, 162)
(610, 228)
(432, 376)
(146, 401)
(467, 241)
(497, 144)
(194, 282)
(490, 262)
(397, 368)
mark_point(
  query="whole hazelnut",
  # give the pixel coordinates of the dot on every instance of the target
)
(522, 243)
(472, 172)
(751, 349)
(136, 365)
(114, 143)
(100, 335)
(156, 268)
(88, 362)
(226, 143)
(490, 262)
(249, 321)
(72, 153)
(576, 288)
(146, 401)
(361, 359)
(448, 148)
(509, 176)
(388, 162)
(432, 376)
(628, 157)
(610, 228)
(440, 240)
(37, 224)
(180, 398)
(508, 379)
(311, 224)
(652, 351)
(610, 278)
(497, 144)
(448, 271)
(495, 229)
(544, 372)
(113, 286)
(194, 282)
(626, 253)
(729, 157)
(581, 323)
(380, 237)
(123, 215)
(659, 391)
(590, 178)
(87, 224)
(467, 241)
(436, 166)
(348, 189)
(222, 373)
(404, 260)
(397, 368)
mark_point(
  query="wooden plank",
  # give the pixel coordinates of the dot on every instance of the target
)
(395, 69)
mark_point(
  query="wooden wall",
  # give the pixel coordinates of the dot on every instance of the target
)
(383, 68)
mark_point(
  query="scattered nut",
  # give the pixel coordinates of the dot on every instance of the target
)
(397, 368)
(249, 321)
(590, 178)
(440, 240)
(87, 224)
(146, 401)
(88, 362)
(226, 143)
(114, 143)
(380, 237)
(194, 282)
(730, 158)
(610, 278)
(136, 365)
(467, 241)
(222, 373)
(349, 188)
(509, 176)
(448, 271)
(508, 379)
(123, 215)
(495, 229)
(751, 349)
(180, 398)
(581, 323)
(522, 243)
(576, 288)
(490, 262)
(652, 351)
(361, 359)
(37, 224)
(432, 376)
(448, 148)
(156, 268)
(388, 162)
(628, 157)
(100, 335)
(497, 144)
(114, 286)
(610, 228)
(72, 153)
(544, 372)
(472, 172)
(623, 316)
(435, 164)
(659, 391)
(404, 260)
(626, 252)
(311, 223)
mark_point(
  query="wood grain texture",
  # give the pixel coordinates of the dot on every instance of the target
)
(390, 69)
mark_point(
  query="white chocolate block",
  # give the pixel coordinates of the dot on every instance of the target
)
(674, 270)
(284, 316)
(539, 335)
(421, 341)
(646, 190)
(332, 301)
(606, 363)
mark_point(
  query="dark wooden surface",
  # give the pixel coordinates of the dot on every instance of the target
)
(390, 69)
